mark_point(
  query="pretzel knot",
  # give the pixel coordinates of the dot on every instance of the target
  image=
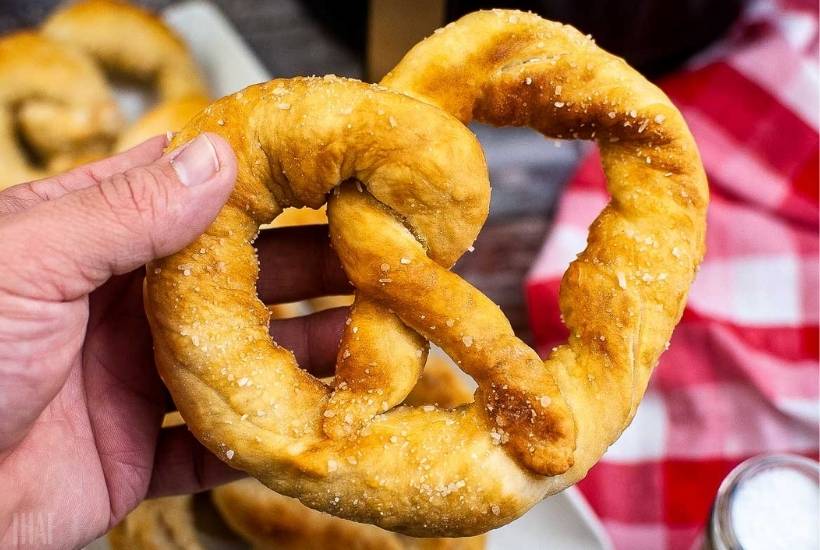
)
(414, 198)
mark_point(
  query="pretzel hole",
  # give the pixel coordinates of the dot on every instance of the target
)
(30, 153)
(133, 97)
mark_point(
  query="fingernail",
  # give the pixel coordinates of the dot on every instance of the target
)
(197, 162)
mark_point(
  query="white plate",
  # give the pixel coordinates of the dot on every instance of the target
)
(562, 522)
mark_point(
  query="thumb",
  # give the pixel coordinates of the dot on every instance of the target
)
(75, 243)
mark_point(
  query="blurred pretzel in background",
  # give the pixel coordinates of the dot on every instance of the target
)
(152, 55)
(55, 106)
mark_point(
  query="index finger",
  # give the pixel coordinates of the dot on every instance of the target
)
(24, 196)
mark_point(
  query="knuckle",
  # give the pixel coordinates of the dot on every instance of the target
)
(137, 197)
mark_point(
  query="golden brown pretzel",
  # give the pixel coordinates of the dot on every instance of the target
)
(129, 41)
(271, 521)
(82, 115)
(438, 472)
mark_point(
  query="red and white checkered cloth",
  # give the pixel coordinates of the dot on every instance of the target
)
(741, 375)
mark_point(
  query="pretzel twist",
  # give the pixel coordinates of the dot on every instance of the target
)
(82, 115)
(422, 197)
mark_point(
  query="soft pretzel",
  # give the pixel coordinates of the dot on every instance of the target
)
(272, 521)
(535, 428)
(129, 41)
(39, 75)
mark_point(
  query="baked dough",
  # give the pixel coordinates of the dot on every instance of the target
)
(420, 197)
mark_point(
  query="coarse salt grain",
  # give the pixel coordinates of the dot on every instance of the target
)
(229, 454)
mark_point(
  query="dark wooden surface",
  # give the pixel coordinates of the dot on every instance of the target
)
(527, 172)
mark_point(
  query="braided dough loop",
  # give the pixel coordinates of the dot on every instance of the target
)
(424, 180)
(623, 295)
(83, 116)
(130, 41)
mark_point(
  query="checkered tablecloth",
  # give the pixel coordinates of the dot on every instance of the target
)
(741, 375)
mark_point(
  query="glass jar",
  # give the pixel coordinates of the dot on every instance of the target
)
(767, 502)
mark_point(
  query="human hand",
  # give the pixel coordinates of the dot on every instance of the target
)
(81, 403)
